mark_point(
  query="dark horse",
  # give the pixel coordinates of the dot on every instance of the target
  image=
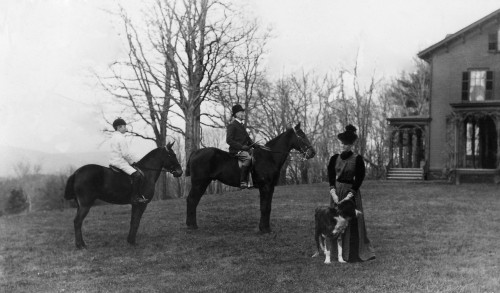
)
(205, 165)
(92, 182)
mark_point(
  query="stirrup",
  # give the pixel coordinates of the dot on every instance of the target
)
(243, 185)
(140, 199)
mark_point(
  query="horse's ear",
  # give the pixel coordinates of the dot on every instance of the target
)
(169, 145)
(297, 127)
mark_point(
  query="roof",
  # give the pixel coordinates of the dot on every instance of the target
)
(417, 120)
(427, 53)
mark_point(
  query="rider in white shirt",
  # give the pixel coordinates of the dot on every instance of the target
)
(123, 159)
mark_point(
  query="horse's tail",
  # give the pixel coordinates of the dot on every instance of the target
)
(69, 192)
(188, 164)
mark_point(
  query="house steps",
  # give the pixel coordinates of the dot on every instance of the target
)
(405, 174)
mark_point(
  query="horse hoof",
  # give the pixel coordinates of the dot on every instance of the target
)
(81, 246)
(133, 243)
(192, 227)
(265, 230)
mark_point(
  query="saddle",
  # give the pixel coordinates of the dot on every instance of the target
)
(252, 159)
(116, 170)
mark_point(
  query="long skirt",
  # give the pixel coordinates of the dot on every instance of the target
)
(355, 243)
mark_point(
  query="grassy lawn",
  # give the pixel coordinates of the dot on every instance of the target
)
(428, 237)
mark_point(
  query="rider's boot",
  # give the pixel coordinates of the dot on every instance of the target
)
(136, 188)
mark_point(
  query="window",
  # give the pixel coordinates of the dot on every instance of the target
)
(477, 85)
(493, 41)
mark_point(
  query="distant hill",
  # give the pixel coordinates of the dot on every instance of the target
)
(50, 163)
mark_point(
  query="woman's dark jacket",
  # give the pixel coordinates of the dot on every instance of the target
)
(359, 173)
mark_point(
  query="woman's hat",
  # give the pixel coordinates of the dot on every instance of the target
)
(118, 122)
(349, 136)
(237, 108)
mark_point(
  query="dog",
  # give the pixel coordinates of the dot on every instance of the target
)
(330, 223)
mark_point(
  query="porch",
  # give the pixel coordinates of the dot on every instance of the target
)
(474, 135)
(408, 151)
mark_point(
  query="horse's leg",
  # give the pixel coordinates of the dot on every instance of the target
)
(81, 213)
(192, 201)
(266, 198)
(137, 211)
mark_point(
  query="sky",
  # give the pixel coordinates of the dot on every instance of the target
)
(50, 102)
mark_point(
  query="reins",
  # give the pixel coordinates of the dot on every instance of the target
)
(161, 170)
(302, 151)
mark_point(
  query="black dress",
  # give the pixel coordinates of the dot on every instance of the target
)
(346, 173)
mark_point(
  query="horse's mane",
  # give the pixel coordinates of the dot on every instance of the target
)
(148, 155)
(273, 141)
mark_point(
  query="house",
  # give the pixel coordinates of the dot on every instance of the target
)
(462, 135)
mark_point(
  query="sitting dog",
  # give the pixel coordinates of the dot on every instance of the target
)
(330, 223)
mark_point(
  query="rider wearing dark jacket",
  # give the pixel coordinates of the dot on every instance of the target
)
(240, 143)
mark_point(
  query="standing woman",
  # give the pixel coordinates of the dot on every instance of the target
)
(346, 173)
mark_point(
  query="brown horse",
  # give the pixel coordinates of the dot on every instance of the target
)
(205, 165)
(92, 182)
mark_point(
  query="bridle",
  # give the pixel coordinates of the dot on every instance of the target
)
(304, 147)
(162, 169)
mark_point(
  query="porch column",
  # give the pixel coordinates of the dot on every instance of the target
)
(419, 148)
(401, 147)
(458, 143)
(409, 134)
(496, 119)
(391, 146)
(427, 150)
(416, 148)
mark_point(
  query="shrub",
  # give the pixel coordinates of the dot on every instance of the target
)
(17, 202)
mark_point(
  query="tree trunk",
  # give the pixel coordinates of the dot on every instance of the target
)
(193, 138)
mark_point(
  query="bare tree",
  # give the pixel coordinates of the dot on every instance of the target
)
(291, 99)
(205, 35)
(142, 84)
(411, 91)
(175, 59)
(24, 168)
(356, 105)
(247, 75)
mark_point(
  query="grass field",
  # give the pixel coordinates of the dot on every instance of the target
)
(428, 237)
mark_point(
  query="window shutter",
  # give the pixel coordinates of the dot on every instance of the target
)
(465, 85)
(489, 85)
(493, 42)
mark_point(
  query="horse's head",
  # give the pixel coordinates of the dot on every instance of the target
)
(170, 162)
(302, 144)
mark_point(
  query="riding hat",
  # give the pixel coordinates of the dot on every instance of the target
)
(118, 122)
(349, 136)
(237, 108)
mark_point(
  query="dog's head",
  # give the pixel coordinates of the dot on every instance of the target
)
(346, 208)
(341, 214)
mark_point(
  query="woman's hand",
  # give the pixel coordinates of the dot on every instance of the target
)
(348, 197)
(334, 195)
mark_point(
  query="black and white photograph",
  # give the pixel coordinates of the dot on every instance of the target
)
(250, 146)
